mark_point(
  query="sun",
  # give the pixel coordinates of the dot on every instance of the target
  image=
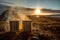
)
(37, 11)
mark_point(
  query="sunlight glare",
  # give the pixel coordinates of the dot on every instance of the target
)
(37, 11)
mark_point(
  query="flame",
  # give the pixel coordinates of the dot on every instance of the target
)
(20, 26)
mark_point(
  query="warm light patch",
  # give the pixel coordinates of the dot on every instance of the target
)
(20, 26)
(37, 12)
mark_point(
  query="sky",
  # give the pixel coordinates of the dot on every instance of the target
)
(49, 4)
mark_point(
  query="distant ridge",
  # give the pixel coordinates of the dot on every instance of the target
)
(44, 10)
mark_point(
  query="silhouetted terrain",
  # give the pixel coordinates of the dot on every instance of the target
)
(49, 26)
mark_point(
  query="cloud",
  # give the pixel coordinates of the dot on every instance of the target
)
(6, 3)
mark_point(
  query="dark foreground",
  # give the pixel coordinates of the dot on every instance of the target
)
(22, 36)
(25, 36)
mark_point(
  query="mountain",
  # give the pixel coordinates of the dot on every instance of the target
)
(28, 11)
(3, 8)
